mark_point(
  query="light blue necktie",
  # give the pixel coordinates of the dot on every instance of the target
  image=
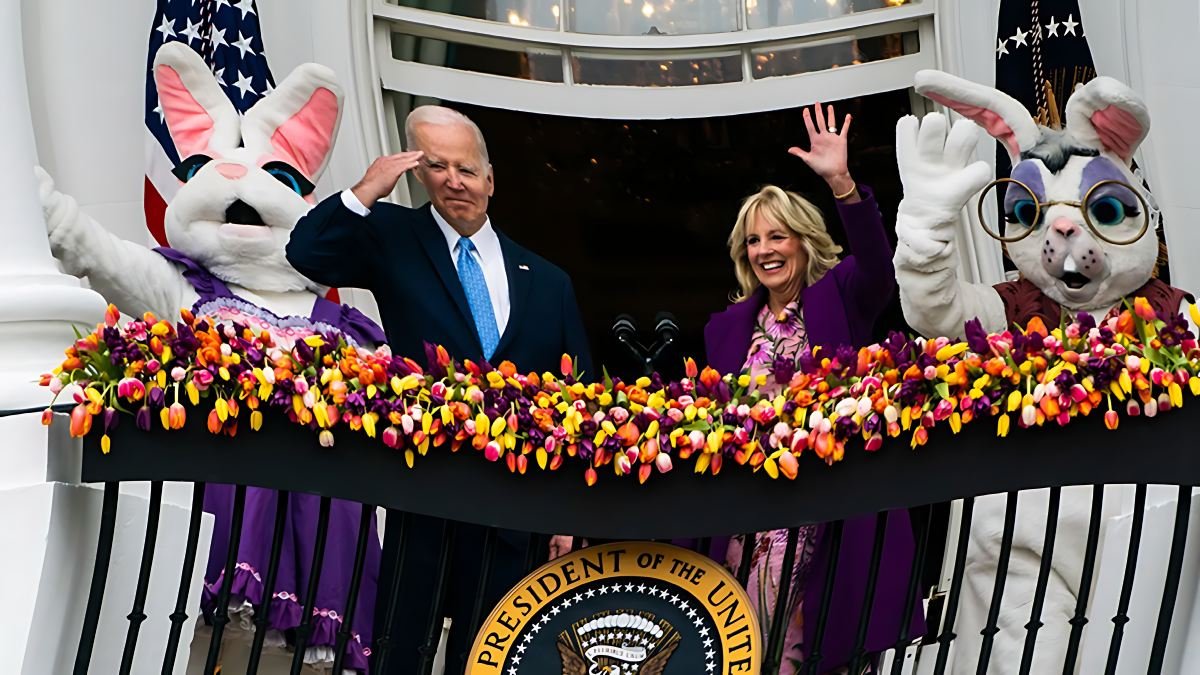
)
(471, 276)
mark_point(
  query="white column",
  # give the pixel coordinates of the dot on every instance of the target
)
(38, 304)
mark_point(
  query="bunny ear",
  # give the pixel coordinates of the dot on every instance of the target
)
(1003, 117)
(1106, 114)
(198, 113)
(298, 120)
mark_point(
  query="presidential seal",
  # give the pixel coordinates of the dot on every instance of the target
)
(634, 608)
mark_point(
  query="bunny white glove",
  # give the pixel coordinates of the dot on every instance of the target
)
(939, 180)
(133, 277)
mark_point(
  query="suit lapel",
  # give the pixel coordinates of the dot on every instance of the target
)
(520, 273)
(434, 244)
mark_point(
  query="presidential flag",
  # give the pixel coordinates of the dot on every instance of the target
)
(1042, 53)
(227, 35)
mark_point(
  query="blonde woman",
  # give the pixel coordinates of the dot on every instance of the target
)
(796, 293)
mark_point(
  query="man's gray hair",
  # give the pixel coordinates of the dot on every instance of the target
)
(437, 115)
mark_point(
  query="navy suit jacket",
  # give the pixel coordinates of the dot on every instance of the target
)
(400, 255)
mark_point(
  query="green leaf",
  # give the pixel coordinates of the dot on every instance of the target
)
(943, 390)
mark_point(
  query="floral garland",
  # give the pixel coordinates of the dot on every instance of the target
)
(161, 372)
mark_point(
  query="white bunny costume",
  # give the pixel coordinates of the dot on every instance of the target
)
(245, 183)
(1077, 195)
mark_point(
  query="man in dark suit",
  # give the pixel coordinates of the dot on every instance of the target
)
(443, 274)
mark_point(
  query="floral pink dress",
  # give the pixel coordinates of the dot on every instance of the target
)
(777, 341)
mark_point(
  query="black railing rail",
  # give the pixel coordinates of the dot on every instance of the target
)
(462, 487)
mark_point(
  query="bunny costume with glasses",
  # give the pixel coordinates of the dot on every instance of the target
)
(1075, 222)
(245, 183)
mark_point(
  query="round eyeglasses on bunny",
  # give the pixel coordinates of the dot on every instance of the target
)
(1101, 207)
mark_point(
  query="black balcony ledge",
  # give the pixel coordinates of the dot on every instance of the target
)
(463, 486)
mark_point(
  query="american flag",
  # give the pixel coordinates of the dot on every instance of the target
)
(227, 35)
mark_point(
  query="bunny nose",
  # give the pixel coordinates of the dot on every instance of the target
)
(1065, 227)
(231, 171)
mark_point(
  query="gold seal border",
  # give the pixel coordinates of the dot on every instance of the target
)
(659, 559)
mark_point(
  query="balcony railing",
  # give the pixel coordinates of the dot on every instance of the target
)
(462, 488)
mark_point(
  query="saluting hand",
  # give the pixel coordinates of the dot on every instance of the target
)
(383, 174)
(827, 155)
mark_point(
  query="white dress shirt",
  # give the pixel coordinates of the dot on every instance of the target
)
(487, 253)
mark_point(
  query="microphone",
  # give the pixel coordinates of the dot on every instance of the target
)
(624, 329)
(666, 327)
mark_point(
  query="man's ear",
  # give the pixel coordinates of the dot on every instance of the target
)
(491, 180)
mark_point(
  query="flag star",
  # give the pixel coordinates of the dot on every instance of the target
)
(246, 6)
(162, 117)
(243, 45)
(604, 590)
(220, 4)
(691, 613)
(529, 637)
(166, 28)
(616, 588)
(579, 598)
(1069, 25)
(516, 660)
(192, 31)
(665, 594)
(245, 84)
(545, 619)
(703, 632)
(708, 642)
(591, 593)
(709, 654)
(642, 588)
(628, 588)
(217, 37)
(219, 74)
(709, 666)
(521, 648)
(512, 671)
(1052, 27)
(698, 623)
(654, 590)
(1019, 38)
(683, 606)
(537, 627)
(674, 599)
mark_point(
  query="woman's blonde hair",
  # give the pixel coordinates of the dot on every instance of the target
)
(793, 212)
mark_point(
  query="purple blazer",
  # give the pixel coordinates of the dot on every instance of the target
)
(841, 308)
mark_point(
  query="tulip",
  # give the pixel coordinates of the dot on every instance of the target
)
(142, 418)
(1150, 409)
(256, 418)
(644, 472)
(214, 422)
(690, 371)
(874, 442)
(1132, 408)
(1111, 419)
(391, 437)
(492, 451)
(81, 421)
(590, 476)
(47, 416)
(111, 315)
(788, 465)
(325, 438)
(663, 462)
(1002, 425)
(176, 415)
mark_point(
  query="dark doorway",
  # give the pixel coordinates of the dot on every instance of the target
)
(638, 211)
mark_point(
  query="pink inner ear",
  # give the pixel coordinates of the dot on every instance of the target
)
(307, 136)
(1118, 130)
(990, 121)
(190, 124)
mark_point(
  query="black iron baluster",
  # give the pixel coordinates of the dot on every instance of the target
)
(779, 620)
(138, 614)
(91, 617)
(383, 644)
(360, 554)
(859, 655)
(429, 649)
(536, 551)
(835, 550)
(485, 572)
(1122, 616)
(221, 613)
(1039, 594)
(264, 610)
(910, 597)
(1079, 619)
(304, 630)
(185, 578)
(956, 579)
(1166, 610)
(989, 631)
(749, 541)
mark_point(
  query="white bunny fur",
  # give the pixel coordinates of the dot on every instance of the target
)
(249, 258)
(939, 180)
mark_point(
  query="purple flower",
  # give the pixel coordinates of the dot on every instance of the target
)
(1086, 321)
(783, 369)
(976, 337)
(142, 418)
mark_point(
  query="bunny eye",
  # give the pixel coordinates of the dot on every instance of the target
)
(1025, 212)
(188, 167)
(291, 177)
